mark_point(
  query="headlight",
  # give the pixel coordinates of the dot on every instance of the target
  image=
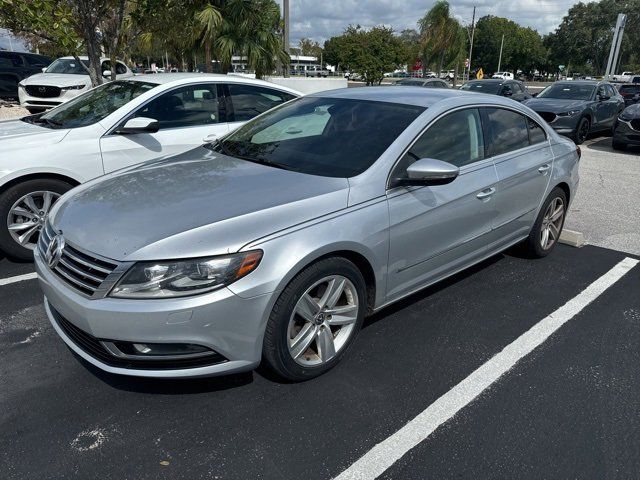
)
(570, 113)
(185, 277)
(73, 87)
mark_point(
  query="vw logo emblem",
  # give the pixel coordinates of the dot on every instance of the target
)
(54, 251)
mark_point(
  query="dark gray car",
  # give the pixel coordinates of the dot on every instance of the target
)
(577, 108)
(513, 89)
(16, 66)
(626, 130)
(422, 82)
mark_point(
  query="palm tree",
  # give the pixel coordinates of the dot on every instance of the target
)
(438, 31)
(208, 21)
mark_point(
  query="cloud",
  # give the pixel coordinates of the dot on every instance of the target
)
(320, 20)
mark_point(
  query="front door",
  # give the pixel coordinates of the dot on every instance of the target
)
(436, 230)
(186, 116)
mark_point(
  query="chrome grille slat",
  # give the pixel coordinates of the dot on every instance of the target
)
(70, 266)
(76, 258)
(88, 274)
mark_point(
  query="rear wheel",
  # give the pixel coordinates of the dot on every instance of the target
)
(23, 210)
(582, 131)
(548, 226)
(315, 320)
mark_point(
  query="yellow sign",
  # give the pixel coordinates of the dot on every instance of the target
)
(480, 74)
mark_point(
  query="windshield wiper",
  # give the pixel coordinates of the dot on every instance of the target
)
(225, 150)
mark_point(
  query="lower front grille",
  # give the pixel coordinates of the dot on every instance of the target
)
(547, 116)
(635, 124)
(93, 346)
(43, 91)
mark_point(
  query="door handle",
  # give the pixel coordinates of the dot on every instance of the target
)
(544, 168)
(487, 192)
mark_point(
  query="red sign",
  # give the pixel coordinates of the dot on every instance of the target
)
(417, 65)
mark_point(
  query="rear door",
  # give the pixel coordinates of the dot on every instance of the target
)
(435, 230)
(186, 116)
(523, 160)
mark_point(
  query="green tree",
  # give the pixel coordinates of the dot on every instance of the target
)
(439, 34)
(306, 46)
(368, 53)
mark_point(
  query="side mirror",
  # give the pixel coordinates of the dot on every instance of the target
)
(139, 125)
(106, 73)
(429, 171)
(44, 69)
(535, 94)
(507, 93)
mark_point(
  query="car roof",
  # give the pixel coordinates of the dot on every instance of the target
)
(583, 82)
(84, 57)
(491, 80)
(418, 96)
(178, 78)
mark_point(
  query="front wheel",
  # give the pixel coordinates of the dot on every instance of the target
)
(23, 209)
(547, 228)
(315, 320)
(582, 131)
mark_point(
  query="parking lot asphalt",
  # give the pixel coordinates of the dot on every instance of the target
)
(569, 409)
(605, 209)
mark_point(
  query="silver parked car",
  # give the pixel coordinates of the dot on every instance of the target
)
(275, 242)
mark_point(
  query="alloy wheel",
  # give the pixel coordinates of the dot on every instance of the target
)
(584, 131)
(27, 216)
(322, 321)
(552, 223)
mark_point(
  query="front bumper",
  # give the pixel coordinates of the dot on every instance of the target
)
(27, 100)
(624, 133)
(222, 321)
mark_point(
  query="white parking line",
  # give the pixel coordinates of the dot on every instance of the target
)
(383, 455)
(18, 278)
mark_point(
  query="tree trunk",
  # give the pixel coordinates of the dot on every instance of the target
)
(208, 67)
(455, 74)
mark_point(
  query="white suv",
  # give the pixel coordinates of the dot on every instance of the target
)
(112, 126)
(503, 75)
(63, 80)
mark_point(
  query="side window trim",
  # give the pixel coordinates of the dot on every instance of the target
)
(131, 114)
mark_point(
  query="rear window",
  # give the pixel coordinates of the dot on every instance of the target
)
(629, 89)
(331, 137)
(484, 87)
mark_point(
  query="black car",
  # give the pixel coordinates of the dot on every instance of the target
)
(576, 108)
(514, 89)
(626, 130)
(630, 92)
(423, 82)
(16, 66)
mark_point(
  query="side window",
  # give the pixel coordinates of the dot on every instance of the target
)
(610, 91)
(34, 61)
(249, 101)
(508, 130)
(601, 91)
(517, 88)
(189, 106)
(455, 138)
(121, 69)
(506, 90)
(12, 59)
(536, 132)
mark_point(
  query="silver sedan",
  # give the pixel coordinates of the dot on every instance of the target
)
(273, 243)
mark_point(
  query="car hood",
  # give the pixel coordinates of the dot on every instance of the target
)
(633, 111)
(195, 204)
(57, 79)
(555, 105)
(19, 134)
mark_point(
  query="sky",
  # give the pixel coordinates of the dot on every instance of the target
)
(321, 19)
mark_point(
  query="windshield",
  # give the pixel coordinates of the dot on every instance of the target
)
(68, 65)
(567, 91)
(483, 87)
(331, 137)
(92, 106)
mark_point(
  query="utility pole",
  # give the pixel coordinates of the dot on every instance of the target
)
(615, 46)
(285, 39)
(473, 31)
(500, 57)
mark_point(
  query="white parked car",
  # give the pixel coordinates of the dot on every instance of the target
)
(503, 75)
(112, 126)
(63, 80)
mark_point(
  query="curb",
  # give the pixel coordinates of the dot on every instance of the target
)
(574, 239)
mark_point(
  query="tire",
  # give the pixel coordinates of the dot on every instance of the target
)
(284, 326)
(618, 145)
(7, 201)
(533, 244)
(580, 135)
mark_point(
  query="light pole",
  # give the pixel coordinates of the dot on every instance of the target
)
(285, 33)
(500, 57)
(473, 31)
